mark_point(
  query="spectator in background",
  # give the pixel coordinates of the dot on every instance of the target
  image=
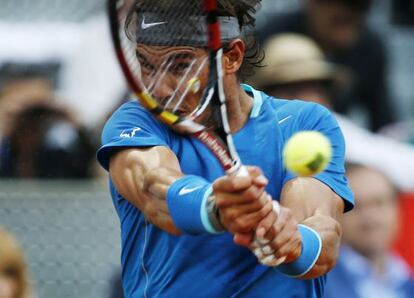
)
(41, 138)
(295, 68)
(16, 95)
(366, 267)
(339, 28)
(14, 282)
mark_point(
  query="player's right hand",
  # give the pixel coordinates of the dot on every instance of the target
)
(277, 237)
(242, 201)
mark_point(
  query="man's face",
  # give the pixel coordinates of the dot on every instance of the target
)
(175, 76)
(371, 227)
(334, 25)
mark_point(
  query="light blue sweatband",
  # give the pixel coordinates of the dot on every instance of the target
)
(311, 249)
(186, 200)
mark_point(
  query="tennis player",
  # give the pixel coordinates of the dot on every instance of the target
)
(190, 231)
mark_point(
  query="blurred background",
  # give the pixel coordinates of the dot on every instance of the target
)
(59, 82)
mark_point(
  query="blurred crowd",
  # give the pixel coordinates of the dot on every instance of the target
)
(367, 266)
(39, 136)
(324, 51)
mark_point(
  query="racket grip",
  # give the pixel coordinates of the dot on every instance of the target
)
(242, 171)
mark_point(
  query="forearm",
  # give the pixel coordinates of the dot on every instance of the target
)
(315, 205)
(151, 179)
(143, 176)
(329, 230)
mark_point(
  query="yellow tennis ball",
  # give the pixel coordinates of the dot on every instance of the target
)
(307, 153)
(194, 84)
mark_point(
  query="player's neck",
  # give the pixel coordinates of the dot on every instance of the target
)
(239, 105)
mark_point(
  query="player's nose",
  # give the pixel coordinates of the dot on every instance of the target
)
(163, 88)
(168, 94)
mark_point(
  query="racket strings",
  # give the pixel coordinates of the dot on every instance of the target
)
(159, 75)
(189, 85)
(185, 85)
(179, 85)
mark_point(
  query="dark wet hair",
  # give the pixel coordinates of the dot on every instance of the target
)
(245, 11)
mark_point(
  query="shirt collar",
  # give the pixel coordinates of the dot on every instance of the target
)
(257, 100)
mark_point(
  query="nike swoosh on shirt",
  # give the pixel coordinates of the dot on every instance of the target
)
(149, 25)
(284, 119)
(185, 191)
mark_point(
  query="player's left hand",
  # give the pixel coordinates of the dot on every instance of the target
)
(277, 239)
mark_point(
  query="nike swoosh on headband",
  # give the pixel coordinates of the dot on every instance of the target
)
(192, 31)
(149, 25)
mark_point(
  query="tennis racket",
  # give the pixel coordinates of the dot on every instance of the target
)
(170, 53)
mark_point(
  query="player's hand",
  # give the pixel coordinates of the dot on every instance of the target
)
(277, 237)
(242, 201)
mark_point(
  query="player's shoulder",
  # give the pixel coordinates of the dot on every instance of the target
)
(128, 108)
(131, 125)
(297, 115)
(131, 112)
(297, 108)
(128, 117)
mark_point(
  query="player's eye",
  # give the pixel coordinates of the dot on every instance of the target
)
(179, 68)
(148, 71)
(146, 67)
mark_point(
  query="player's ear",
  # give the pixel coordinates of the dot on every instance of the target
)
(233, 56)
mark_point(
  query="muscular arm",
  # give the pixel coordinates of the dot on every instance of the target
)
(142, 176)
(314, 204)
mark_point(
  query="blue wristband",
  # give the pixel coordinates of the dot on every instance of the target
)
(311, 249)
(186, 200)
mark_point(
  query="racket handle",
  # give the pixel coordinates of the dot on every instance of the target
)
(242, 171)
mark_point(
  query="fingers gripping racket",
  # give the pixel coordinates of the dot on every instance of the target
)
(170, 52)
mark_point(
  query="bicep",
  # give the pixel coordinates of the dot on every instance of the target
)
(306, 197)
(330, 185)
